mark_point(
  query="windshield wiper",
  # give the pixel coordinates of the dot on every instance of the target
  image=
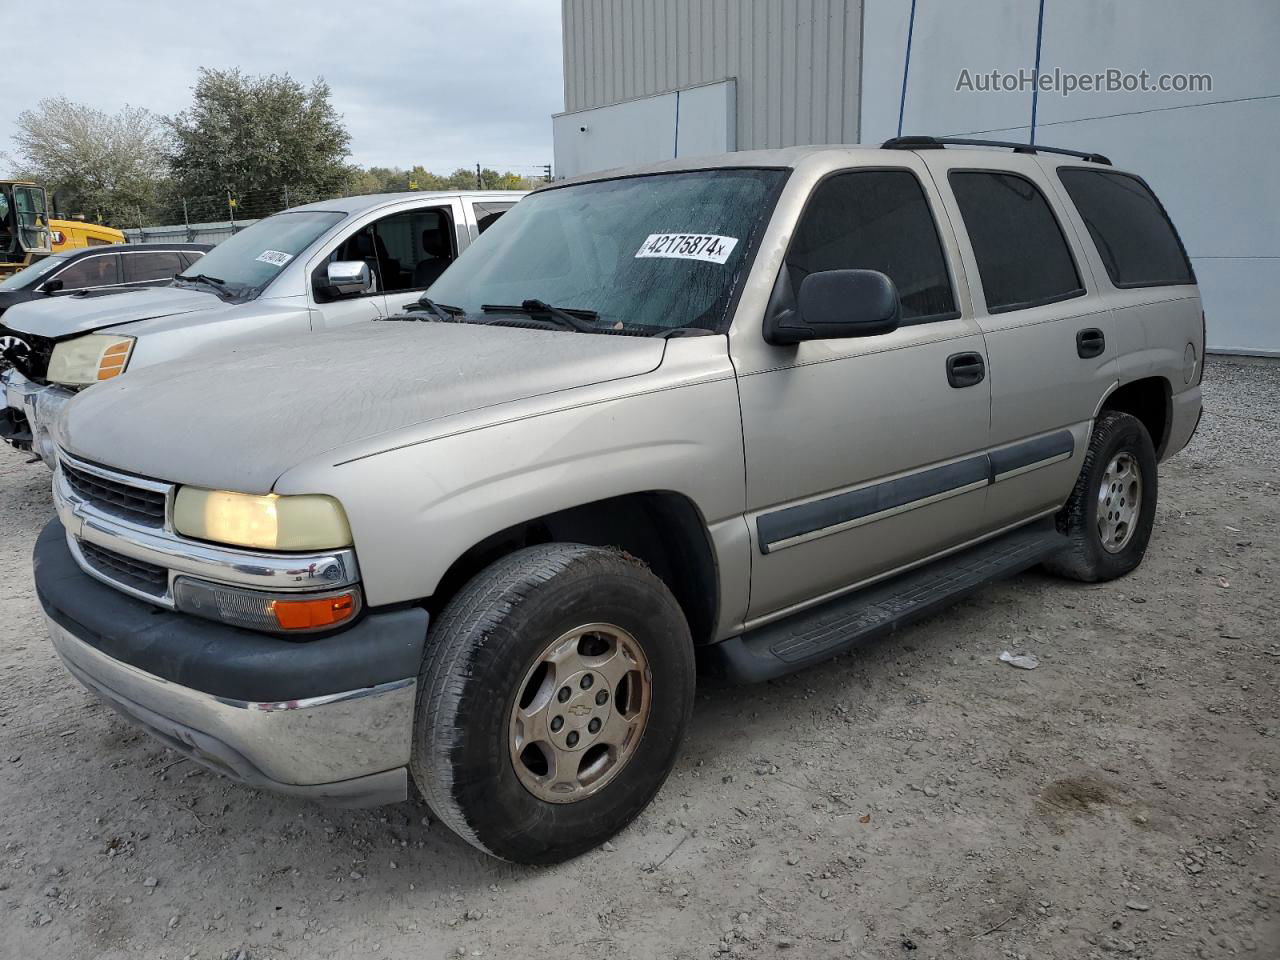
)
(203, 278)
(567, 317)
(445, 312)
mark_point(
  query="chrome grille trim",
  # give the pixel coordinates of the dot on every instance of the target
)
(112, 494)
(87, 522)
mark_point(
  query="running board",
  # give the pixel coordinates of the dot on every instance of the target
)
(819, 633)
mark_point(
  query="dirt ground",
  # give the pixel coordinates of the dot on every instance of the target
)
(921, 799)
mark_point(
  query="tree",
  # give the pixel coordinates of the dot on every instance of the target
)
(109, 167)
(256, 137)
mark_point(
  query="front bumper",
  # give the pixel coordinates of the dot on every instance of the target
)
(329, 719)
(30, 409)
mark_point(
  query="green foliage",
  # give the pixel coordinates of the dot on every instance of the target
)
(252, 135)
(108, 167)
(395, 179)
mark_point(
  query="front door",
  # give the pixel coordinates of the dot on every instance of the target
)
(864, 455)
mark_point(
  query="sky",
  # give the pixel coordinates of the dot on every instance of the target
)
(442, 83)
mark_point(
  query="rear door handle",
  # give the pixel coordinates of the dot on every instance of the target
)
(1090, 343)
(965, 369)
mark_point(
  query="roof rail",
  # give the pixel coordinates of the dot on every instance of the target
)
(937, 143)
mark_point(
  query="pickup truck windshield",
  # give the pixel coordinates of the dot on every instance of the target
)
(245, 263)
(649, 253)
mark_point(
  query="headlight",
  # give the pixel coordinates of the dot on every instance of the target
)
(309, 522)
(86, 360)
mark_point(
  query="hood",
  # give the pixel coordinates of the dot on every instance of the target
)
(241, 420)
(64, 316)
(10, 297)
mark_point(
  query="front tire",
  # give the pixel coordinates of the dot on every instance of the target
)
(1112, 510)
(552, 701)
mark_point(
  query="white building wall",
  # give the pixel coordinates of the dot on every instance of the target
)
(1210, 156)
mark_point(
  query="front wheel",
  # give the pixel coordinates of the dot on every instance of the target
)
(1112, 509)
(553, 697)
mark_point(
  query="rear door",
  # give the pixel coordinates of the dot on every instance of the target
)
(89, 272)
(1049, 335)
(862, 455)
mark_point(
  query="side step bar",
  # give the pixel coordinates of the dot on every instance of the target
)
(819, 633)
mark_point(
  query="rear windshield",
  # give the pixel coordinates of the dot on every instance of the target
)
(1133, 234)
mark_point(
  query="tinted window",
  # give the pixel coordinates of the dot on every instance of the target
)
(145, 267)
(1133, 234)
(487, 214)
(875, 220)
(99, 271)
(1023, 259)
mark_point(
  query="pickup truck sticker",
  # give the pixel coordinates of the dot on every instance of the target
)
(274, 257)
(688, 246)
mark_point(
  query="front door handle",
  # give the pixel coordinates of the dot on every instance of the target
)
(965, 369)
(1090, 343)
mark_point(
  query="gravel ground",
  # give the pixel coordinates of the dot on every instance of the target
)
(921, 799)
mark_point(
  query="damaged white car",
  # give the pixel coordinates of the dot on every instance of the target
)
(315, 267)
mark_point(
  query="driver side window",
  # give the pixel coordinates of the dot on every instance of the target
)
(404, 251)
(876, 220)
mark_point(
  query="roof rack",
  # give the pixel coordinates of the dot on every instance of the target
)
(937, 143)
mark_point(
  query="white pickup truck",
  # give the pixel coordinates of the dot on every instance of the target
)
(315, 267)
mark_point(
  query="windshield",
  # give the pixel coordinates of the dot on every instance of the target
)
(28, 276)
(651, 253)
(248, 261)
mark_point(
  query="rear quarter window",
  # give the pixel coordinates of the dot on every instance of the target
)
(1134, 236)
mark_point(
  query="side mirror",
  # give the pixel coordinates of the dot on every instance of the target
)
(834, 304)
(346, 278)
(51, 286)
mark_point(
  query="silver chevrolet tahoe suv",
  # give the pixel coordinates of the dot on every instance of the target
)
(742, 412)
(314, 267)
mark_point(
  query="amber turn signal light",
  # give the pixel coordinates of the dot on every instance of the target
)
(315, 613)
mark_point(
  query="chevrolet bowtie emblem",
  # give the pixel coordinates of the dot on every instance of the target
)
(579, 710)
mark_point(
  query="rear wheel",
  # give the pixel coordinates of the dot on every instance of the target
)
(1110, 515)
(552, 700)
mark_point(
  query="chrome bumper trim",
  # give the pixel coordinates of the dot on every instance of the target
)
(162, 547)
(288, 745)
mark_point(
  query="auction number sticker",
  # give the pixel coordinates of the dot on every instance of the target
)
(688, 246)
(274, 257)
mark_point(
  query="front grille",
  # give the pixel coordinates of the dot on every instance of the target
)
(27, 352)
(142, 576)
(115, 497)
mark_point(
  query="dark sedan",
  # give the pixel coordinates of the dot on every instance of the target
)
(89, 269)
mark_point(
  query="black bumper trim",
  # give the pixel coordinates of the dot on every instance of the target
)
(223, 661)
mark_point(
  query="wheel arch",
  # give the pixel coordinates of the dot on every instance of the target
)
(1150, 400)
(663, 528)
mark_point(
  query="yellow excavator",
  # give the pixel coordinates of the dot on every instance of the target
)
(25, 234)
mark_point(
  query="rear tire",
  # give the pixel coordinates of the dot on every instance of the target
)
(1107, 531)
(579, 640)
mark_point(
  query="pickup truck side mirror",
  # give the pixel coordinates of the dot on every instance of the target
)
(833, 304)
(345, 278)
(51, 286)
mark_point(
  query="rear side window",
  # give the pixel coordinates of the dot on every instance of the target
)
(487, 214)
(1023, 258)
(1133, 234)
(148, 267)
(876, 220)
